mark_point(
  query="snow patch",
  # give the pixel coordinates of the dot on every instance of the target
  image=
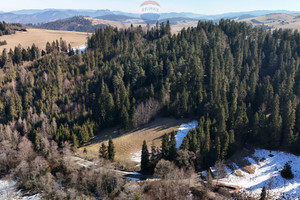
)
(268, 174)
(80, 49)
(136, 157)
(183, 131)
(8, 190)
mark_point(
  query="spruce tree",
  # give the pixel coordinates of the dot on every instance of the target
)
(172, 148)
(218, 149)
(288, 126)
(226, 140)
(103, 151)
(207, 144)
(111, 150)
(145, 157)
(276, 124)
(263, 194)
(165, 147)
(74, 140)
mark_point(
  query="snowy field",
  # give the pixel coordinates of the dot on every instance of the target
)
(183, 131)
(8, 191)
(268, 166)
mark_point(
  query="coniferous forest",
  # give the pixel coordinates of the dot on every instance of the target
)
(242, 84)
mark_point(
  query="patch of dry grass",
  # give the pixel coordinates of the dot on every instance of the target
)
(40, 37)
(250, 169)
(126, 143)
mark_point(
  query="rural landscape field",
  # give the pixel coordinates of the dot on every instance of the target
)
(150, 100)
(128, 144)
(40, 37)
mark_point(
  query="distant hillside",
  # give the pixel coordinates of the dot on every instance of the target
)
(43, 16)
(275, 21)
(80, 24)
(89, 24)
(178, 20)
(118, 18)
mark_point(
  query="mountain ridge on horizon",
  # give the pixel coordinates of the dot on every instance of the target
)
(35, 16)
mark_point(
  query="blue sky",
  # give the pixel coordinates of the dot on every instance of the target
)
(197, 6)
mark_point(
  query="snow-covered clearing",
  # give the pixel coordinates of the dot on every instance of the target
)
(267, 173)
(8, 191)
(183, 131)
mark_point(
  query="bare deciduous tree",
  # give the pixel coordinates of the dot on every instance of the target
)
(25, 148)
(145, 112)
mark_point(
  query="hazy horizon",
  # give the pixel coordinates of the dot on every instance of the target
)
(133, 6)
(41, 9)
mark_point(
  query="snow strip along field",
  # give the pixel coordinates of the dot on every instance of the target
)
(267, 168)
(183, 131)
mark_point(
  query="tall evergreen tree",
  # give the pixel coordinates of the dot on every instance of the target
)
(172, 147)
(111, 150)
(165, 146)
(103, 152)
(145, 157)
(263, 195)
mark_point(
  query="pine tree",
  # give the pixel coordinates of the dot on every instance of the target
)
(17, 55)
(172, 147)
(218, 149)
(276, 124)
(103, 151)
(206, 147)
(165, 147)
(3, 58)
(231, 137)
(222, 121)
(194, 141)
(145, 158)
(288, 126)
(226, 140)
(154, 153)
(297, 125)
(74, 140)
(124, 117)
(111, 150)
(48, 48)
(263, 194)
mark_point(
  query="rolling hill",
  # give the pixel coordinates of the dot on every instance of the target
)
(275, 21)
(80, 24)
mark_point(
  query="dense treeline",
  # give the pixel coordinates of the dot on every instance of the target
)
(8, 29)
(243, 84)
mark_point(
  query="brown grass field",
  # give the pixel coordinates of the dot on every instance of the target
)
(126, 143)
(276, 21)
(40, 37)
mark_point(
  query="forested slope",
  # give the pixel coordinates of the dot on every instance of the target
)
(241, 82)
